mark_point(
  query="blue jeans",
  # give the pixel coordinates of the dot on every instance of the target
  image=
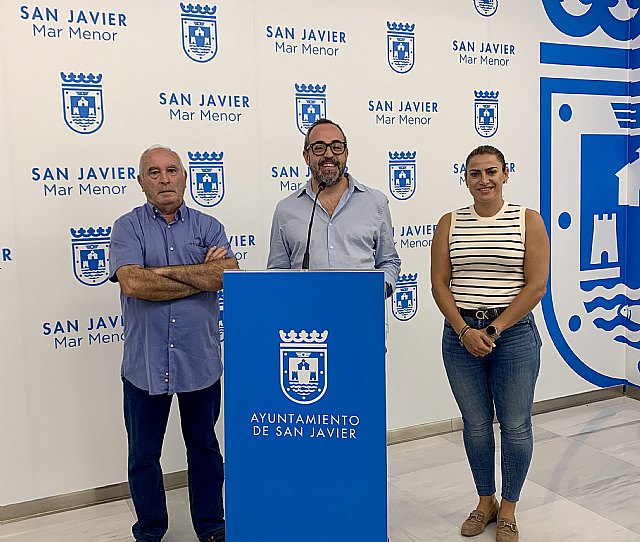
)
(504, 379)
(146, 419)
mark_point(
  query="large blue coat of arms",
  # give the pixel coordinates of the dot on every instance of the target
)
(590, 201)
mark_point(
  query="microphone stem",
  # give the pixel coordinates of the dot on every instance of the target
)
(305, 258)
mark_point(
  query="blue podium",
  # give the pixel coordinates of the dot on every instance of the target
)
(304, 406)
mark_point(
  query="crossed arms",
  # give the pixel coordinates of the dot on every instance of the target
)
(175, 281)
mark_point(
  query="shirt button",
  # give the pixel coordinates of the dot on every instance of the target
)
(173, 320)
(166, 380)
(166, 374)
(170, 248)
(331, 246)
(169, 226)
(171, 345)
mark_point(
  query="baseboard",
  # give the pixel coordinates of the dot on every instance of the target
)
(174, 480)
(633, 392)
(79, 499)
(405, 434)
(583, 398)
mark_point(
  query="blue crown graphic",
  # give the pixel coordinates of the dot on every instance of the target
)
(311, 88)
(198, 9)
(81, 78)
(205, 156)
(407, 280)
(81, 233)
(303, 337)
(486, 95)
(406, 28)
(402, 156)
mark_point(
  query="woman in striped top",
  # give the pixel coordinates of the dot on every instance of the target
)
(486, 277)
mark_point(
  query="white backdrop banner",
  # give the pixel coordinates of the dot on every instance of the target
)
(233, 86)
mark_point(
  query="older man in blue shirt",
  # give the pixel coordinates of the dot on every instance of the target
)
(352, 227)
(169, 261)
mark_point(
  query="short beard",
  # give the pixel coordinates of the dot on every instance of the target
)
(330, 180)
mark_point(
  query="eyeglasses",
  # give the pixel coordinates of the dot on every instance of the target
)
(320, 147)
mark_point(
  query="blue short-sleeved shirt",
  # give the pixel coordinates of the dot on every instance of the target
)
(169, 346)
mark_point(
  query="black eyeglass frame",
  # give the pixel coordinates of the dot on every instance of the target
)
(325, 146)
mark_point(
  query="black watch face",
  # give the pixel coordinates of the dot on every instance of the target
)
(491, 330)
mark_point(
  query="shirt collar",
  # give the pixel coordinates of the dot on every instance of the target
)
(181, 213)
(353, 186)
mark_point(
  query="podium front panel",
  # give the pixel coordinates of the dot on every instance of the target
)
(305, 414)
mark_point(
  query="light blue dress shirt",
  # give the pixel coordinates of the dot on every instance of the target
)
(357, 236)
(169, 346)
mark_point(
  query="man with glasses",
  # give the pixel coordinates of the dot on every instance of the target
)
(352, 227)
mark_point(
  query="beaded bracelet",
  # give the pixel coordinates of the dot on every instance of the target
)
(462, 332)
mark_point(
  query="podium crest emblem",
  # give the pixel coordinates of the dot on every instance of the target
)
(199, 31)
(90, 251)
(206, 175)
(486, 8)
(405, 297)
(303, 365)
(400, 46)
(311, 105)
(402, 174)
(486, 112)
(82, 102)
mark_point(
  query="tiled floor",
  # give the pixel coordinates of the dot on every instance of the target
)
(583, 486)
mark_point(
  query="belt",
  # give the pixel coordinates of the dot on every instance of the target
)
(482, 314)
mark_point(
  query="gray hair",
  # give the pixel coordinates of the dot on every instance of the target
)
(155, 148)
(319, 122)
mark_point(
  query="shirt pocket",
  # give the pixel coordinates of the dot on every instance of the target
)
(196, 253)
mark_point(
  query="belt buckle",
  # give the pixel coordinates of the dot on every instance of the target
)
(481, 314)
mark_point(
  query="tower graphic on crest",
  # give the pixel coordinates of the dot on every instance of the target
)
(402, 174)
(311, 105)
(199, 31)
(303, 365)
(90, 252)
(82, 106)
(206, 174)
(405, 297)
(400, 46)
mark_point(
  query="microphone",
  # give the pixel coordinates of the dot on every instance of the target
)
(305, 259)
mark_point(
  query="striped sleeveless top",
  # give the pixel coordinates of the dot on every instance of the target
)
(487, 256)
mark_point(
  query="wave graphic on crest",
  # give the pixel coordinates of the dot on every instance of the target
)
(303, 389)
(619, 311)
